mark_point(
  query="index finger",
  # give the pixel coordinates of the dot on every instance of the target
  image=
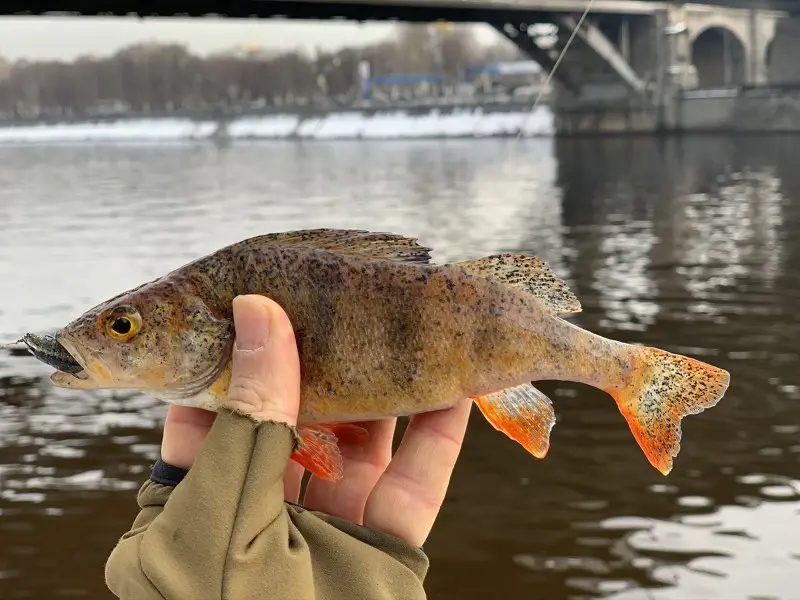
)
(406, 499)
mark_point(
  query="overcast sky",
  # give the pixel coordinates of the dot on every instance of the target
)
(66, 38)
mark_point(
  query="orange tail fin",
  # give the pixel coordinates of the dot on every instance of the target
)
(663, 389)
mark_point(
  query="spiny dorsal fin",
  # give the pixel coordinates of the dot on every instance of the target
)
(527, 273)
(380, 245)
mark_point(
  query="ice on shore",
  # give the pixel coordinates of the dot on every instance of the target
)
(338, 125)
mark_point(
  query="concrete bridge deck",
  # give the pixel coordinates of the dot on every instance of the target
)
(457, 10)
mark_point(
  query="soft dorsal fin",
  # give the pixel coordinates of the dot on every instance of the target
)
(527, 273)
(355, 242)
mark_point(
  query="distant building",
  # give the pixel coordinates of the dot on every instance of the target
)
(510, 76)
(246, 50)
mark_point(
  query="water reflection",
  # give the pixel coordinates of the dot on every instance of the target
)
(689, 246)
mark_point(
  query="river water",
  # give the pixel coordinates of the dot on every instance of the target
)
(693, 246)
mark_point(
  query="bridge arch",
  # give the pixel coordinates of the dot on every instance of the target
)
(769, 63)
(780, 54)
(720, 57)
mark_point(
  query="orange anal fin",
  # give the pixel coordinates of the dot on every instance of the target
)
(320, 453)
(348, 433)
(523, 413)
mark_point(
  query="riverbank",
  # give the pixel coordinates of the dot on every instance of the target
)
(375, 124)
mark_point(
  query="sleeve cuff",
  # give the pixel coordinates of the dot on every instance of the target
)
(167, 474)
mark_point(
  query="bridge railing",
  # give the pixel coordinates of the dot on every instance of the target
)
(763, 90)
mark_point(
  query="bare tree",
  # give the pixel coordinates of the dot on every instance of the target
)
(163, 78)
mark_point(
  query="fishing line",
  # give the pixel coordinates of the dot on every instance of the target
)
(555, 66)
(539, 96)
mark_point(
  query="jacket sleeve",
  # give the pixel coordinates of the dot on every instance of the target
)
(225, 532)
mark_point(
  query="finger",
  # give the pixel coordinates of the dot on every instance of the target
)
(265, 380)
(407, 498)
(189, 415)
(292, 482)
(363, 464)
(185, 429)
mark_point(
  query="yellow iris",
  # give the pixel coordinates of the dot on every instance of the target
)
(123, 324)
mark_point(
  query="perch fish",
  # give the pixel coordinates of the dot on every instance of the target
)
(381, 331)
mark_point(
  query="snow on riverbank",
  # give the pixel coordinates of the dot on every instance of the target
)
(342, 126)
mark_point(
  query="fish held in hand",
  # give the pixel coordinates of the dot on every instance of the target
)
(381, 332)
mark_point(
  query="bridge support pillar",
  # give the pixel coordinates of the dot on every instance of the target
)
(605, 49)
(635, 73)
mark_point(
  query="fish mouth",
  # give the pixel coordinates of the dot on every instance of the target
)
(92, 372)
(52, 352)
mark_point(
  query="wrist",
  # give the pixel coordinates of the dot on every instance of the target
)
(167, 474)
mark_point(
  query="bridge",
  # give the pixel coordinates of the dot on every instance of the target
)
(633, 65)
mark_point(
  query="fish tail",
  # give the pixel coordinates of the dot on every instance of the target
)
(662, 390)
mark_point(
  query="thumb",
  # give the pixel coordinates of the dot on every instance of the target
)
(265, 381)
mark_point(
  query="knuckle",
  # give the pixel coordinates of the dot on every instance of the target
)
(414, 492)
(253, 397)
(247, 392)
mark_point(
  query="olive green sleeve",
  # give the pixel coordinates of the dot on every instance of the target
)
(225, 532)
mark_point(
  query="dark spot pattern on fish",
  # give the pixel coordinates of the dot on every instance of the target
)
(485, 339)
(403, 329)
(320, 342)
(408, 324)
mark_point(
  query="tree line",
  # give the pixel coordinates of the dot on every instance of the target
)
(165, 78)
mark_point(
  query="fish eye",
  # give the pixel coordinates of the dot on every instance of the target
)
(123, 324)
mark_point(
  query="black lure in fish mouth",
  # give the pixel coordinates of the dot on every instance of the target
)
(48, 350)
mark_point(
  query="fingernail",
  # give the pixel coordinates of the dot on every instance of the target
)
(252, 325)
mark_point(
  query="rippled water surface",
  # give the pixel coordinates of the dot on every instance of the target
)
(691, 246)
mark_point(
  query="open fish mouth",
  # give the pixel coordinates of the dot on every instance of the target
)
(47, 349)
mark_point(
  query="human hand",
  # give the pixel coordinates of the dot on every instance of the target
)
(399, 495)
